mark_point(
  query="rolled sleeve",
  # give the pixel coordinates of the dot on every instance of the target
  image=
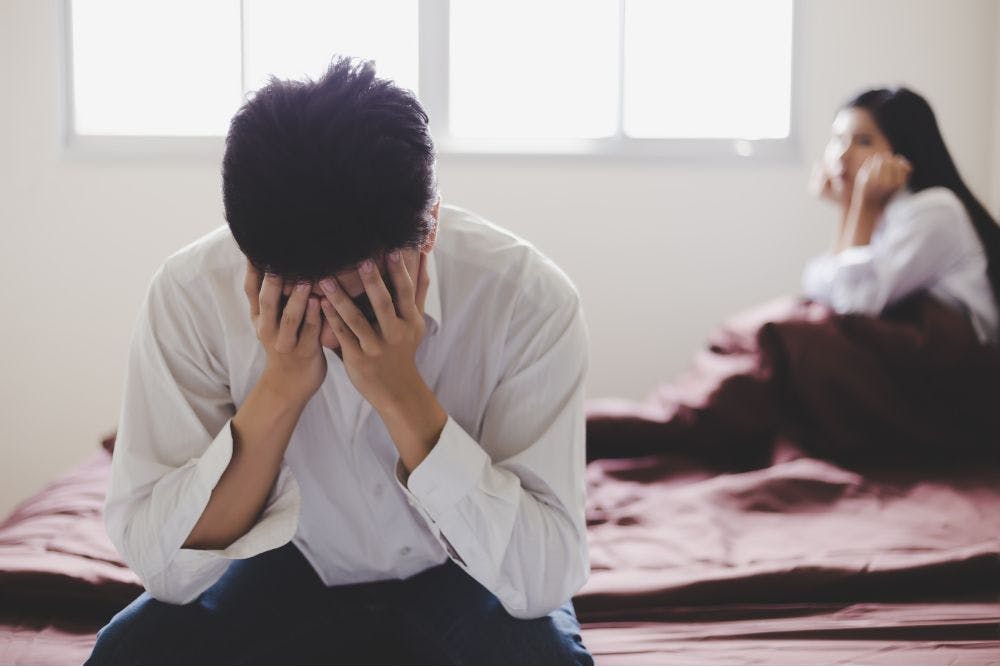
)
(507, 505)
(174, 443)
(916, 243)
(449, 473)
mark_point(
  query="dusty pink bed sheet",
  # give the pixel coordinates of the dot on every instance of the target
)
(665, 533)
(869, 634)
(802, 562)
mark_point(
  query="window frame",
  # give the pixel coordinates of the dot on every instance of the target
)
(433, 40)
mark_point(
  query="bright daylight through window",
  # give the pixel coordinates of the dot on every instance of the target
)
(597, 70)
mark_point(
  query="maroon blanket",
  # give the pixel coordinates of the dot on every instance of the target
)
(664, 534)
(913, 387)
(863, 634)
(812, 476)
(54, 551)
(793, 559)
(803, 562)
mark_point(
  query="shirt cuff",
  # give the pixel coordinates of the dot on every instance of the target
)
(859, 254)
(276, 525)
(451, 470)
(210, 466)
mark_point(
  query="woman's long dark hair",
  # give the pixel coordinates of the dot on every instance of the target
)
(907, 121)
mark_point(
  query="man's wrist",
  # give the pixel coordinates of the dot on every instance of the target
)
(415, 420)
(279, 393)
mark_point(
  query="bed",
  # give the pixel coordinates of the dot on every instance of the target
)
(799, 562)
(798, 557)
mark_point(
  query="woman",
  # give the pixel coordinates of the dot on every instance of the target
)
(892, 356)
(907, 220)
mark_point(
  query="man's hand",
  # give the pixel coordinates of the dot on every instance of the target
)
(262, 426)
(380, 360)
(296, 365)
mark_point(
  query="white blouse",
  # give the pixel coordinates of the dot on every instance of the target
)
(923, 241)
(501, 493)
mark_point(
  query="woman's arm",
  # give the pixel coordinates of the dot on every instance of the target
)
(878, 179)
(921, 242)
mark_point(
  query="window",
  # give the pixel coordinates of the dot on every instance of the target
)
(632, 77)
(689, 66)
(552, 76)
(162, 68)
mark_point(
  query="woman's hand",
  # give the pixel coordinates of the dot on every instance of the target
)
(879, 177)
(821, 184)
(296, 365)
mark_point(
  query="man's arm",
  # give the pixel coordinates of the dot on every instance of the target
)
(176, 441)
(263, 426)
(515, 521)
(261, 430)
(508, 504)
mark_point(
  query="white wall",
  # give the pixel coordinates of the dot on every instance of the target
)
(660, 251)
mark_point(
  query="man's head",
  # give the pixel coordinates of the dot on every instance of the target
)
(319, 175)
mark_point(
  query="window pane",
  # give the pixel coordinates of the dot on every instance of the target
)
(155, 67)
(292, 39)
(523, 68)
(711, 68)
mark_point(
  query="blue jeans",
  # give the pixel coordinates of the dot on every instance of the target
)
(274, 609)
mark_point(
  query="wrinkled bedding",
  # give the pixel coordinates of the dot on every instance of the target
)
(803, 530)
(869, 634)
(911, 388)
(800, 562)
(54, 548)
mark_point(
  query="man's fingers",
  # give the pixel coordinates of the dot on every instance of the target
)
(403, 284)
(348, 341)
(267, 302)
(251, 287)
(423, 282)
(327, 338)
(291, 318)
(348, 313)
(378, 295)
(310, 334)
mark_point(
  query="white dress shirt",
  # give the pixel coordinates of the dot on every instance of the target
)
(501, 493)
(922, 241)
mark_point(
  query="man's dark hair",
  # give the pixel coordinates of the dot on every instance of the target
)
(318, 175)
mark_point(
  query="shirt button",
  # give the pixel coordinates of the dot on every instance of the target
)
(405, 551)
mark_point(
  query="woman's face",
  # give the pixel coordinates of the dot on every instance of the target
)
(854, 138)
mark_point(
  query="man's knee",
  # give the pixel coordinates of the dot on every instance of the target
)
(554, 639)
(502, 639)
(149, 631)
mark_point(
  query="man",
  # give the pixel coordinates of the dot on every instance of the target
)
(383, 461)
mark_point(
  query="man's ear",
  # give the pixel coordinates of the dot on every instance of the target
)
(432, 237)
